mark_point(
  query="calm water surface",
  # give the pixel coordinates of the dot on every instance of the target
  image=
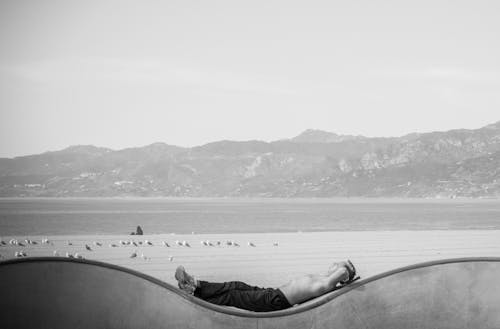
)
(121, 216)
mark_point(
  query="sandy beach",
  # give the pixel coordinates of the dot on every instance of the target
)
(264, 259)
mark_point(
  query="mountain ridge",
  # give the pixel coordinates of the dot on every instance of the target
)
(315, 163)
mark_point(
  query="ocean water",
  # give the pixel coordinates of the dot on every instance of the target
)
(53, 216)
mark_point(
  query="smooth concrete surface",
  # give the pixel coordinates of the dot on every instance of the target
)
(56, 292)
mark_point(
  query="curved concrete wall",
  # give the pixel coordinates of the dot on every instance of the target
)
(71, 293)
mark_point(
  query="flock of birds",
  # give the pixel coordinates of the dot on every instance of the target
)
(135, 254)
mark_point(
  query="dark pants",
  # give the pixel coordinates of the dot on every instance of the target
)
(241, 295)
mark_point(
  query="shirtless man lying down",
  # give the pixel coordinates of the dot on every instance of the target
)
(244, 296)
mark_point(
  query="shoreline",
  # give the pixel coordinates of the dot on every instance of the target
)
(121, 216)
(354, 199)
(125, 235)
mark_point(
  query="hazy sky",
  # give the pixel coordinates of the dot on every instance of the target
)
(121, 74)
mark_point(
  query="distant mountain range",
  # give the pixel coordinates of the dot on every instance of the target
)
(455, 163)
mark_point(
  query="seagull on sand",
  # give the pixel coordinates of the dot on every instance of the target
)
(97, 243)
(250, 244)
(112, 245)
(148, 242)
(3, 243)
(134, 254)
(177, 242)
(77, 255)
(165, 243)
(185, 244)
(69, 255)
(88, 247)
(134, 243)
(70, 243)
(170, 258)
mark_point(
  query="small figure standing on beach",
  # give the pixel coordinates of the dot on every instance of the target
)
(242, 295)
(138, 231)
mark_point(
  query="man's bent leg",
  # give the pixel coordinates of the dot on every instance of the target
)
(257, 300)
(206, 290)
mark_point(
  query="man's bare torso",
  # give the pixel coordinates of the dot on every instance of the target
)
(299, 289)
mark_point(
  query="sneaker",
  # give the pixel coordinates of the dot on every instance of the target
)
(186, 282)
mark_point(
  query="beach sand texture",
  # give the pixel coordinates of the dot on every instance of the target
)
(264, 259)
